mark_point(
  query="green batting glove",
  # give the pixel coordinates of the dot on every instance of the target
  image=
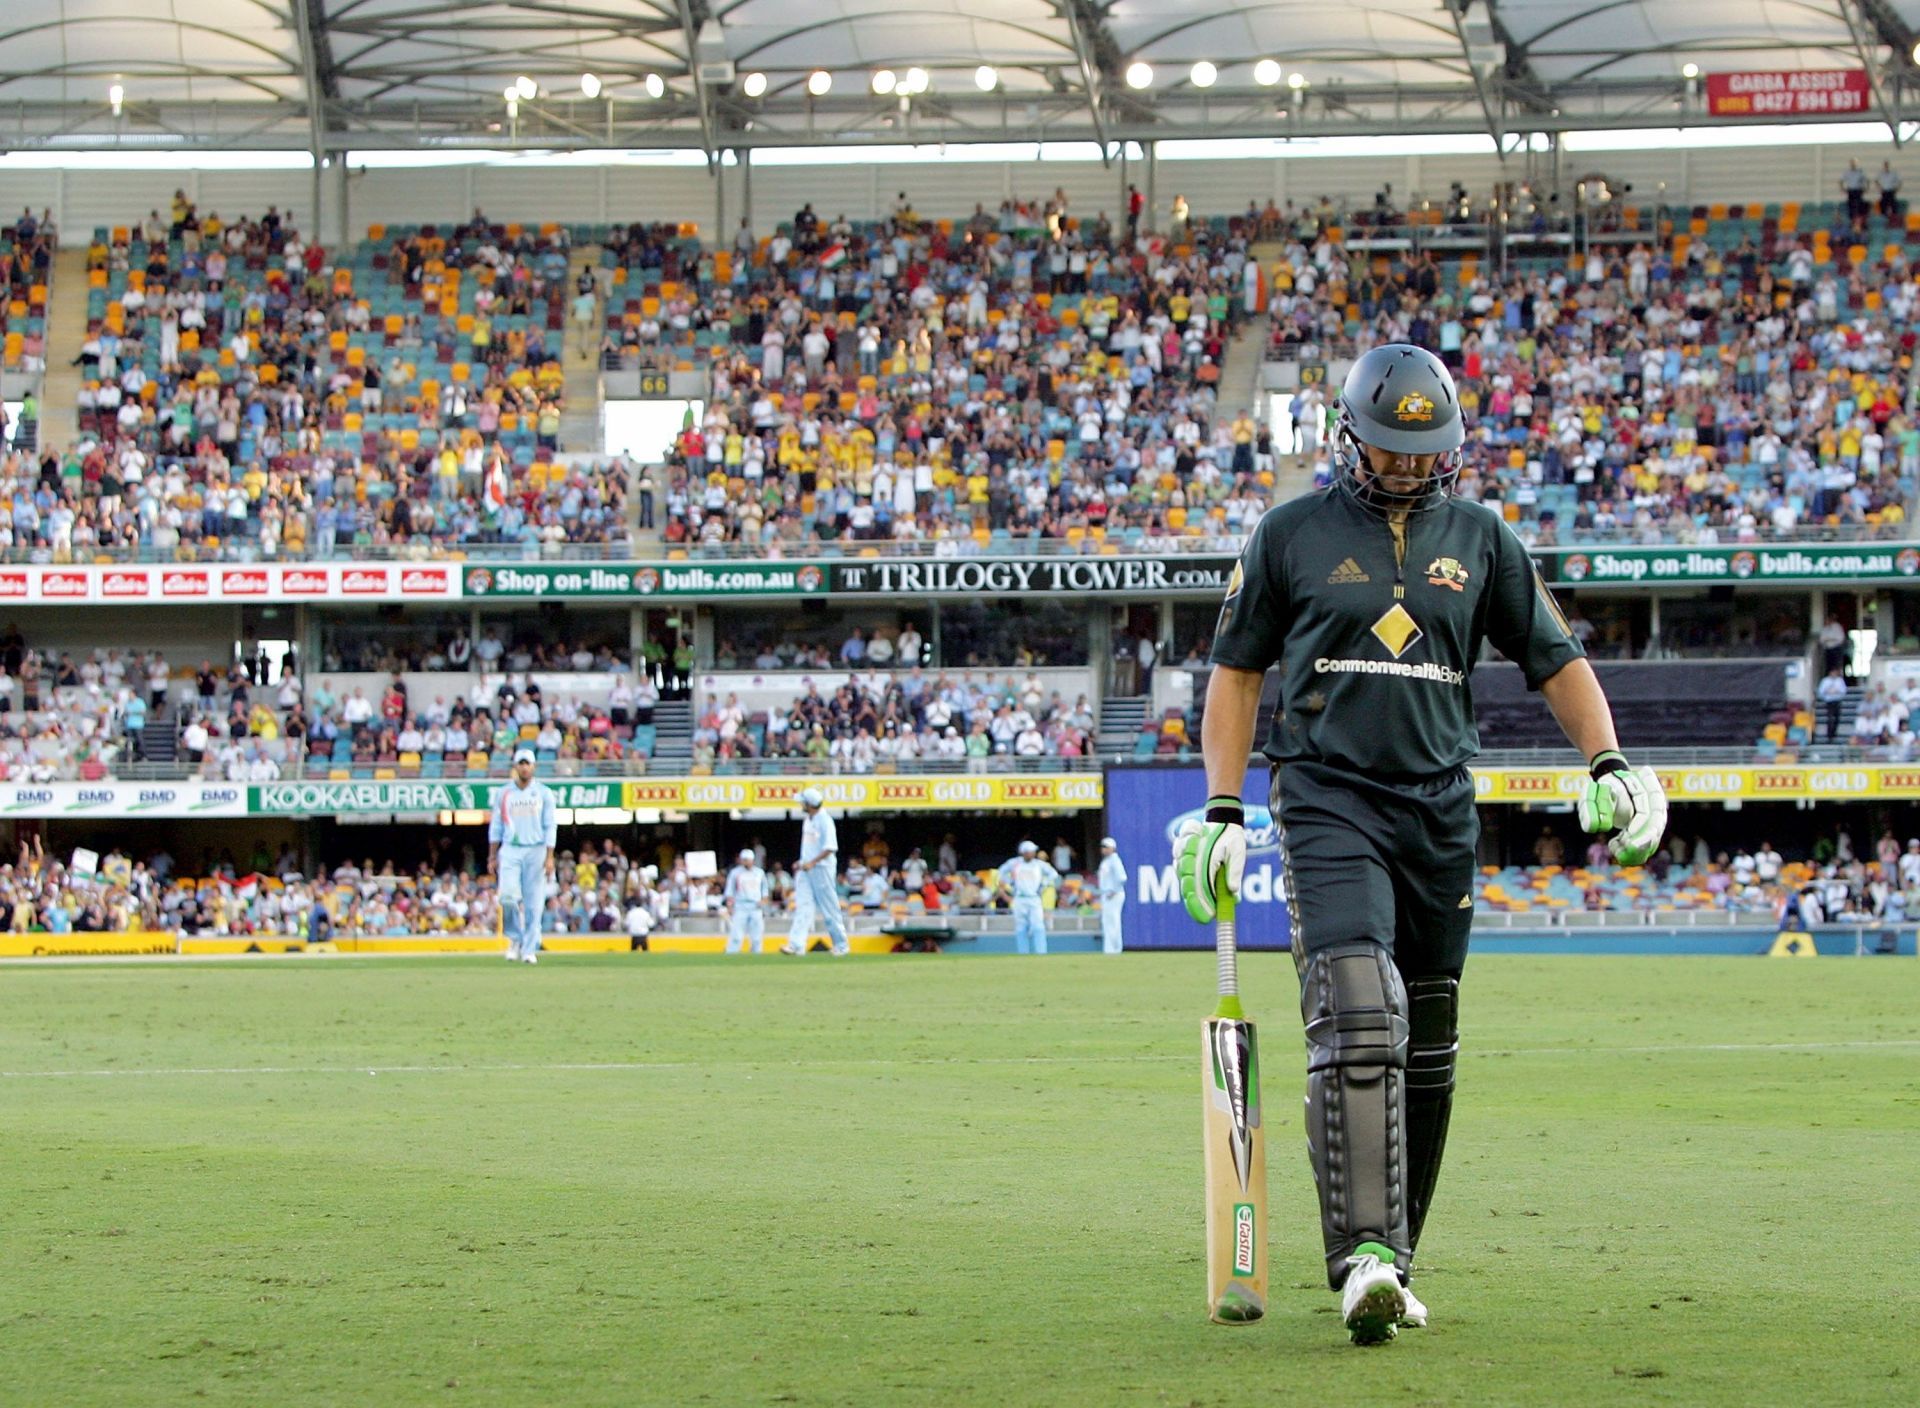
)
(1209, 857)
(1625, 804)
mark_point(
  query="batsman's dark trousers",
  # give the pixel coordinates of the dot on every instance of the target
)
(1378, 878)
(1387, 862)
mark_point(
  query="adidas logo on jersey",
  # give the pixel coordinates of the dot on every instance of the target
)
(1348, 573)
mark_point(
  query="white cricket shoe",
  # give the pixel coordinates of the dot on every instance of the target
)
(842, 952)
(791, 952)
(1372, 1302)
(1414, 1317)
(531, 958)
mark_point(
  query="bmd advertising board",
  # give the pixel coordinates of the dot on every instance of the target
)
(1145, 806)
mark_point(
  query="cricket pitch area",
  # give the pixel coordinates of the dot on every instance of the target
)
(927, 1181)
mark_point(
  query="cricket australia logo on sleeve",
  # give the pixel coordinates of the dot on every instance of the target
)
(1397, 630)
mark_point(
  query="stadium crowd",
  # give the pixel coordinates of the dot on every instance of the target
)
(27, 246)
(248, 393)
(879, 718)
(997, 380)
(984, 383)
(599, 888)
(1828, 883)
(1748, 379)
(603, 887)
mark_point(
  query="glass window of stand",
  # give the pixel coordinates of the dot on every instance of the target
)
(813, 636)
(557, 637)
(389, 638)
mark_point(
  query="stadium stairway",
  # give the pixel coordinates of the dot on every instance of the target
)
(66, 330)
(673, 737)
(1121, 721)
(1239, 387)
(582, 430)
(1849, 711)
(158, 738)
(1293, 476)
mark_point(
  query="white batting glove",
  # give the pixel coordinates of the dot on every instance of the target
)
(1211, 854)
(1625, 804)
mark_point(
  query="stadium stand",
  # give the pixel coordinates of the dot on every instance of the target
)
(877, 720)
(26, 271)
(997, 381)
(251, 394)
(1741, 375)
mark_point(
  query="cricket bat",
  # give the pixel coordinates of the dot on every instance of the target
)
(1236, 1155)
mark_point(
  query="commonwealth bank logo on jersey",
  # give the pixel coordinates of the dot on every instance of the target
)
(1397, 630)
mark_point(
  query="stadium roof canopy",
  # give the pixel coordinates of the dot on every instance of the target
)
(339, 75)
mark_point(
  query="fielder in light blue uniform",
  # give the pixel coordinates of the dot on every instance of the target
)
(746, 888)
(814, 891)
(1113, 893)
(1026, 876)
(522, 835)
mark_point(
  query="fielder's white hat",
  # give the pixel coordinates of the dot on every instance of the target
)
(812, 798)
(525, 755)
(1108, 841)
(1027, 848)
(746, 855)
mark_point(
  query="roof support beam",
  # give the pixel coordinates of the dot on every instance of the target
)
(309, 27)
(1092, 79)
(1867, 32)
(693, 14)
(1490, 101)
(1519, 76)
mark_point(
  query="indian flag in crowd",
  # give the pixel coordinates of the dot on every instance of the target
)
(244, 887)
(833, 256)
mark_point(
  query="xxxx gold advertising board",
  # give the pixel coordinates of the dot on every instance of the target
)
(1861, 782)
(948, 792)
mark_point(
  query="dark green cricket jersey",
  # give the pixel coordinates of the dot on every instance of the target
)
(1376, 639)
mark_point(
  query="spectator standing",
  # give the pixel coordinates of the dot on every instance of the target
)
(1831, 693)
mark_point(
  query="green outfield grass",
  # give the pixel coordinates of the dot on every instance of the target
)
(925, 1181)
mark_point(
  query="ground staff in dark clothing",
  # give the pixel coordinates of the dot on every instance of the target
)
(1373, 597)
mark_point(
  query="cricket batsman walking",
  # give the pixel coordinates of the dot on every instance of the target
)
(520, 839)
(1113, 893)
(1026, 877)
(746, 888)
(814, 875)
(1372, 596)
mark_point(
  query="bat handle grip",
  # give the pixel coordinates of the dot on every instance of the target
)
(1225, 946)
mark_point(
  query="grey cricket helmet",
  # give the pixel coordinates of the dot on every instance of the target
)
(1399, 398)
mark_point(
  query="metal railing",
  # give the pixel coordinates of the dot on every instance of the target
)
(648, 548)
(1562, 920)
(1725, 756)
